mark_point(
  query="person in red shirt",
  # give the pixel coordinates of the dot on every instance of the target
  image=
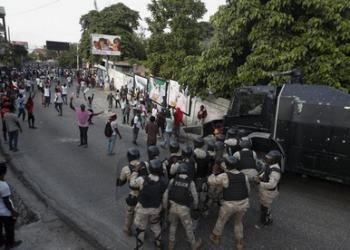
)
(30, 107)
(176, 125)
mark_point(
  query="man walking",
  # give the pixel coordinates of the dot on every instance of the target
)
(83, 116)
(12, 126)
(151, 131)
(30, 107)
(20, 106)
(136, 126)
(114, 126)
(110, 98)
(58, 101)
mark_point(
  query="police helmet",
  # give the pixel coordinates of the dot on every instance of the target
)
(231, 162)
(133, 154)
(174, 147)
(153, 151)
(183, 169)
(245, 144)
(274, 156)
(219, 147)
(231, 133)
(155, 167)
(220, 137)
(198, 142)
(186, 152)
(210, 146)
(242, 132)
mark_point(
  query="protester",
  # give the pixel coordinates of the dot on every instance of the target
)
(4, 110)
(64, 90)
(58, 101)
(20, 107)
(30, 107)
(151, 131)
(117, 99)
(83, 116)
(202, 114)
(126, 112)
(8, 214)
(176, 125)
(47, 95)
(112, 120)
(89, 106)
(169, 129)
(143, 113)
(136, 126)
(110, 98)
(154, 110)
(12, 126)
(161, 121)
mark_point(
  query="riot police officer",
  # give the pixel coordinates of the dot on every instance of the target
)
(235, 199)
(175, 156)
(153, 153)
(232, 143)
(187, 157)
(268, 185)
(181, 195)
(133, 156)
(247, 160)
(149, 206)
(220, 137)
(202, 158)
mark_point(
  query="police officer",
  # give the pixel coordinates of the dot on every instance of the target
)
(215, 192)
(149, 206)
(268, 185)
(181, 195)
(220, 137)
(153, 153)
(175, 156)
(247, 160)
(133, 156)
(235, 199)
(242, 134)
(187, 157)
(232, 143)
(211, 152)
(202, 158)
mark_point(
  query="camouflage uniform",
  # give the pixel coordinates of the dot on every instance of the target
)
(183, 213)
(229, 208)
(200, 154)
(266, 194)
(251, 173)
(125, 175)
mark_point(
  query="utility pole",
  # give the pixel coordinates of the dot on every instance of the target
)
(78, 56)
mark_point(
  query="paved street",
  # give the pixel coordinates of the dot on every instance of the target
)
(79, 184)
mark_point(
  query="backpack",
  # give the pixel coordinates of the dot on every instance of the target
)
(108, 129)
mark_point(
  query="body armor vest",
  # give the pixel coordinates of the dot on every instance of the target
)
(237, 188)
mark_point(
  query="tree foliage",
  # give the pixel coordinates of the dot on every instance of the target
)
(256, 37)
(175, 35)
(68, 59)
(116, 19)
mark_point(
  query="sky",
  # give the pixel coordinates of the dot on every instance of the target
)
(38, 21)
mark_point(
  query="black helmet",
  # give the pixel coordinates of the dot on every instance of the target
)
(186, 152)
(231, 133)
(210, 146)
(155, 167)
(231, 162)
(220, 137)
(153, 151)
(275, 156)
(242, 132)
(183, 169)
(198, 142)
(245, 144)
(174, 147)
(219, 147)
(133, 154)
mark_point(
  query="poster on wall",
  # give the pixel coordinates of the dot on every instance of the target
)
(141, 84)
(119, 78)
(156, 90)
(179, 98)
(105, 45)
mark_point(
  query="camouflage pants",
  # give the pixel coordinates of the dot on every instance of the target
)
(225, 213)
(251, 174)
(184, 214)
(267, 197)
(129, 215)
(141, 222)
(214, 194)
(199, 183)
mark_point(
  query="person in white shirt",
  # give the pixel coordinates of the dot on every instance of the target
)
(154, 110)
(58, 101)
(137, 125)
(47, 96)
(64, 90)
(69, 80)
(111, 140)
(117, 99)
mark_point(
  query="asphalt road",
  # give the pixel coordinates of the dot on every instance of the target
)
(79, 183)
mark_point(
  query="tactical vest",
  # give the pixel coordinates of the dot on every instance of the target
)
(171, 162)
(142, 172)
(180, 193)
(247, 160)
(192, 168)
(237, 188)
(152, 192)
(266, 176)
(202, 166)
(231, 150)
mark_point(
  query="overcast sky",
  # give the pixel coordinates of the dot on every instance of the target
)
(35, 21)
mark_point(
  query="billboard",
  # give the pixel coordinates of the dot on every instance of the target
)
(61, 46)
(129, 82)
(156, 90)
(141, 84)
(105, 45)
(179, 98)
(24, 44)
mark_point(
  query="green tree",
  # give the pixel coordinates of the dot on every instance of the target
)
(116, 19)
(68, 59)
(175, 35)
(256, 37)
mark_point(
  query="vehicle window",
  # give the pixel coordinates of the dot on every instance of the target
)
(246, 104)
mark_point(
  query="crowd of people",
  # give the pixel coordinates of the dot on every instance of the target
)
(191, 180)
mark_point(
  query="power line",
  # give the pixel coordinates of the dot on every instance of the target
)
(24, 12)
